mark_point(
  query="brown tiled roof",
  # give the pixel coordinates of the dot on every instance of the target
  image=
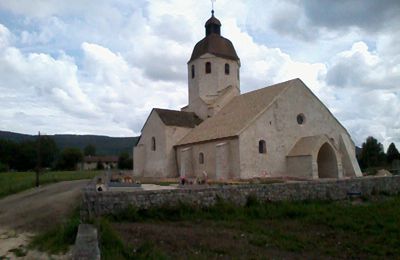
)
(178, 118)
(237, 114)
(217, 45)
(95, 159)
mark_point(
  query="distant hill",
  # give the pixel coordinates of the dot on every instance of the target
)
(105, 145)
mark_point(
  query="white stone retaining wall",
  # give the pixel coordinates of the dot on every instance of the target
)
(101, 203)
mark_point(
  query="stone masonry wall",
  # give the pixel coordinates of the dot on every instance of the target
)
(101, 203)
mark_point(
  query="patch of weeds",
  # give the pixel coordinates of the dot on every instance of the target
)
(60, 238)
(112, 246)
(149, 251)
(19, 251)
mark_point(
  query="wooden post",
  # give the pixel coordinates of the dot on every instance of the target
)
(39, 160)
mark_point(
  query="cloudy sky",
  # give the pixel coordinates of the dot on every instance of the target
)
(99, 66)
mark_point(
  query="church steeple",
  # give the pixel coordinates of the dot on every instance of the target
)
(213, 72)
(213, 25)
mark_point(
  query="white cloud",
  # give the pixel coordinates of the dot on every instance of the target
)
(67, 69)
(4, 37)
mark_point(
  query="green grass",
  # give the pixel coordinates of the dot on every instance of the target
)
(60, 237)
(13, 182)
(332, 229)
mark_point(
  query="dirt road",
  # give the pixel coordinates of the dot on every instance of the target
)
(28, 212)
(32, 210)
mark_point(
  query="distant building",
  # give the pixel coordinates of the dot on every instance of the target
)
(93, 162)
(276, 131)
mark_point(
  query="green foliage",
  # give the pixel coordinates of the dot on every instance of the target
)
(3, 167)
(23, 156)
(13, 182)
(111, 245)
(125, 162)
(104, 145)
(69, 159)
(372, 154)
(59, 238)
(89, 149)
(392, 153)
(49, 151)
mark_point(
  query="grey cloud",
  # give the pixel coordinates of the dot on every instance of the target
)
(369, 15)
(347, 72)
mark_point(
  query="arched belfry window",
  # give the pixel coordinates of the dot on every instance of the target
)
(201, 158)
(193, 73)
(262, 147)
(153, 143)
(226, 69)
(208, 67)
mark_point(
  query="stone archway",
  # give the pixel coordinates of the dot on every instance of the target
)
(327, 162)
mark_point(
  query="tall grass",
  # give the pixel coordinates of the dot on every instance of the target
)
(60, 237)
(13, 182)
(338, 229)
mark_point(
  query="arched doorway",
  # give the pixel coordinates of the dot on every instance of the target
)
(327, 162)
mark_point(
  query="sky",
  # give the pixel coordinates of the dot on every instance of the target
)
(100, 66)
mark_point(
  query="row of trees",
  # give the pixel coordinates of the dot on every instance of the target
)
(373, 155)
(24, 156)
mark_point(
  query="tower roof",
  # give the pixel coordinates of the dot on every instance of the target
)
(214, 43)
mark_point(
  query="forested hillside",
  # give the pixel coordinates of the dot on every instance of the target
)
(105, 145)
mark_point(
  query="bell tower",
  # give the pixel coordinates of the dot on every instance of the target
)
(213, 72)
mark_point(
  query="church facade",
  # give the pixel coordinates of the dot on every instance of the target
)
(282, 130)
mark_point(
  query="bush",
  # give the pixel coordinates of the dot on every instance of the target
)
(3, 167)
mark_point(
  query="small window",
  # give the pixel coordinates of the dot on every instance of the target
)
(193, 72)
(226, 69)
(153, 143)
(262, 147)
(301, 119)
(238, 76)
(208, 67)
(201, 158)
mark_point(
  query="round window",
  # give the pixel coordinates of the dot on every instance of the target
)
(301, 119)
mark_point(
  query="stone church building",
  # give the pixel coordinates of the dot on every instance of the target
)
(282, 130)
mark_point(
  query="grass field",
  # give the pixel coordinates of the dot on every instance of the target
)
(355, 229)
(367, 229)
(12, 182)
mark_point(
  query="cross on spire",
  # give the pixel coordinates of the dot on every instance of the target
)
(212, 6)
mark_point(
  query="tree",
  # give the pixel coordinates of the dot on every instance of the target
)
(125, 162)
(48, 151)
(69, 159)
(372, 154)
(89, 150)
(392, 153)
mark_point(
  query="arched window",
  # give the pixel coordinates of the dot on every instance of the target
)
(301, 119)
(226, 69)
(193, 72)
(262, 147)
(201, 158)
(153, 143)
(208, 67)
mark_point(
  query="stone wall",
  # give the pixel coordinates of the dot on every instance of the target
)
(100, 203)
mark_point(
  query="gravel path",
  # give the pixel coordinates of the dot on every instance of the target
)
(25, 213)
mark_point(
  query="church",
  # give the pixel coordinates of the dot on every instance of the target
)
(282, 130)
